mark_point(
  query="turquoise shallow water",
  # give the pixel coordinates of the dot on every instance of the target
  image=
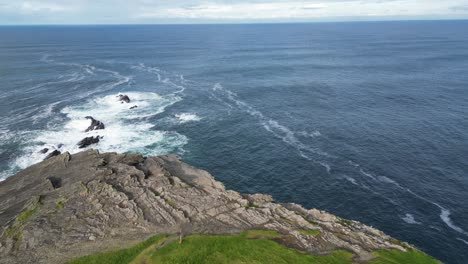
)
(365, 120)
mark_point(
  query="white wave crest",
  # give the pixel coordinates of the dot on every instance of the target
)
(350, 179)
(462, 240)
(409, 218)
(445, 216)
(274, 127)
(187, 117)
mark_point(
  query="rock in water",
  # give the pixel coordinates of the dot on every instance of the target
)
(93, 202)
(133, 107)
(124, 98)
(88, 141)
(43, 151)
(53, 154)
(95, 124)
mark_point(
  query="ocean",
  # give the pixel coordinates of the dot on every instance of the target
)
(366, 120)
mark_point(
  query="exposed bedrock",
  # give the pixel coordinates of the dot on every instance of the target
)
(74, 205)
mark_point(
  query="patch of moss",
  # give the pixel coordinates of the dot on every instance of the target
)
(24, 216)
(399, 243)
(309, 232)
(252, 205)
(15, 230)
(60, 203)
(345, 222)
(170, 202)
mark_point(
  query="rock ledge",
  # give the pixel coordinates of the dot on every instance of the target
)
(74, 205)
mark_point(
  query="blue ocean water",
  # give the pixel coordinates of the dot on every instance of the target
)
(365, 120)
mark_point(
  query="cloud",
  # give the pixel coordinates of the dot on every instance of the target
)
(196, 11)
(302, 9)
(460, 8)
(34, 7)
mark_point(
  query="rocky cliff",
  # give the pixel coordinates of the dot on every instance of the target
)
(74, 205)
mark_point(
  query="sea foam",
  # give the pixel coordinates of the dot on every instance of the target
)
(125, 129)
(187, 117)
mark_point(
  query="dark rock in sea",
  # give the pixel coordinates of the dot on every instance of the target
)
(43, 151)
(88, 141)
(52, 154)
(60, 145)
(74, 205)
(124, 98)
(133, 107)
(95, 124)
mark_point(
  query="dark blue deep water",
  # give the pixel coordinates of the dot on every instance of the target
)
(366, 120)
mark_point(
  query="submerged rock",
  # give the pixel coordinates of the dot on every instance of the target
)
(133, 107)
(89, 202)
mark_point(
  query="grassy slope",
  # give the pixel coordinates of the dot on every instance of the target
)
(249, 247)
(119, 256)
(411, 257)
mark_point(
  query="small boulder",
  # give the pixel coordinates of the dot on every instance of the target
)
(43, 151)
(133, 107)
(124, 98)
(53, 154)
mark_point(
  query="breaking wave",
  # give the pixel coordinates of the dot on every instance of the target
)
(187, 117)
(125, 129)
(409, 219)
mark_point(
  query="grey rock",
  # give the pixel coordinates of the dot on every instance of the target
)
(88, 141)
(44, 150)
(92, 202)
(52, 154)
(124, 98)
(95, 124)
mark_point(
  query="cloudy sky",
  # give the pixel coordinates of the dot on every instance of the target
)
(223, 11)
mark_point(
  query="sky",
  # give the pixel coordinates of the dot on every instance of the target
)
(31, 12)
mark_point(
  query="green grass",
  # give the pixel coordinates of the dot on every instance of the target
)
(238, 249)
(119, 256)
(398, 257)
(255, 246)
(309, 232)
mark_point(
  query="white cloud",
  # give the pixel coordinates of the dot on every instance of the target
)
(304, 9)
(193, 11)
(40, 7)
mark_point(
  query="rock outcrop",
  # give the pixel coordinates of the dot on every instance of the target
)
(95, 124)
(74, 205)
(85, 142)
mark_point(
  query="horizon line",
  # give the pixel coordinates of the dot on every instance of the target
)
(239, 23)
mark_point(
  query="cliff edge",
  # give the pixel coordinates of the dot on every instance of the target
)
(75, 205)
